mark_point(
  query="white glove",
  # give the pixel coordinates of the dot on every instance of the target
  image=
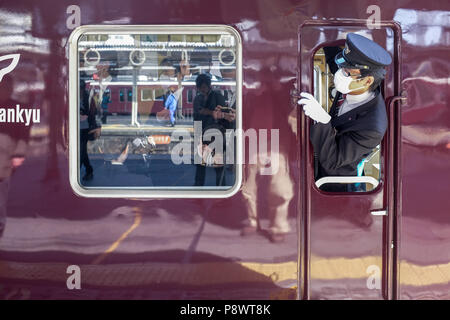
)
(313, 109)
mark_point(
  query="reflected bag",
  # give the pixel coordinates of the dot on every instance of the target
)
(163, 115)
(94, 135)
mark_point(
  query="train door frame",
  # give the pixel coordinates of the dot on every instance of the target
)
(392, 151)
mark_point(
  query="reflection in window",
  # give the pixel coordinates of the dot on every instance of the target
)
(225, 94)
(190, 96)
(159, 94)
(137, 146)
(147, 94)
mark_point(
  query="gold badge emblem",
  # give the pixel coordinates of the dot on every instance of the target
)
(347, 50)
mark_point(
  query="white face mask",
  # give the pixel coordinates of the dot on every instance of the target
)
(342, 83)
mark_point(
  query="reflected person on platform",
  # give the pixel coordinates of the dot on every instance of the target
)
(208, 106)
(13, 144)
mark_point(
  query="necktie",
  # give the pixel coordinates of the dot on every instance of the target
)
(339, 104)
(341, 100)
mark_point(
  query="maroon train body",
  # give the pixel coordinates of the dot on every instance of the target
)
(338, 247)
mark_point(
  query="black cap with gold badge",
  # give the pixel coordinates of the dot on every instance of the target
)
(362, 53)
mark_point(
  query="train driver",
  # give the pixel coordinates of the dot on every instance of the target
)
(357, 119)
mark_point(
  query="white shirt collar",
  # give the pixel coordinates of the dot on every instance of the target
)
(353, 101)
(356, 98)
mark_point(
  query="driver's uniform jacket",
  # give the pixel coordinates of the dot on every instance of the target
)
(343, 142)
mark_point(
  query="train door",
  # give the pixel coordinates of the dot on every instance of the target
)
(348, 244)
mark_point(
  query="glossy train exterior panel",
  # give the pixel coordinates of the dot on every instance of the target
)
(192, 248)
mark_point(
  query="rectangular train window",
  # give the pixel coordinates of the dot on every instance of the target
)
(174, 134)
(325, 93)
(147, 94)
(190, 96)
(159, 94)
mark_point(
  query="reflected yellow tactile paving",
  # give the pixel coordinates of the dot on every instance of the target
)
(342, 268)
(136, 223)
(215, 273)
(411, 274)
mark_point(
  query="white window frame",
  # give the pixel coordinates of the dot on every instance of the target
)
(148, 192)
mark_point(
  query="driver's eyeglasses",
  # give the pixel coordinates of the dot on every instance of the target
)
(347, 73)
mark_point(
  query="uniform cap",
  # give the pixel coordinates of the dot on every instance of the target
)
(362, 53)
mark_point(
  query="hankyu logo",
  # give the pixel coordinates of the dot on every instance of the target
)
(14, 61)
(9, 114)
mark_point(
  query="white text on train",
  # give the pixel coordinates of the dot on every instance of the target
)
(20, 115)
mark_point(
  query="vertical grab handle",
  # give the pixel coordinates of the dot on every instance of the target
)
(393, 193)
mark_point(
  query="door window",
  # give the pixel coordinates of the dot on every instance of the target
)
(325, 93)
